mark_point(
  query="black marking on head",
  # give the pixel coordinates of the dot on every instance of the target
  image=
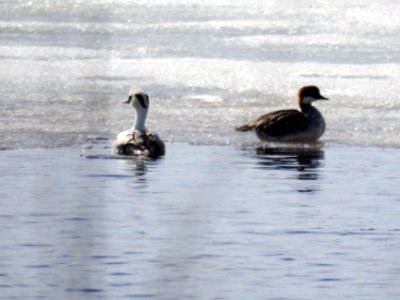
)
(142, 100)
(310, 91)
(130, 99)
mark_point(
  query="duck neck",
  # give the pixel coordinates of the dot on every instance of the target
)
(305, 107)
(140, 120)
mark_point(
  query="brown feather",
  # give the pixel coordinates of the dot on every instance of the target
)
(142, 144)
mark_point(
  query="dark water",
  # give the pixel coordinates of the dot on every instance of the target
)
(208, 67)
(204, 222)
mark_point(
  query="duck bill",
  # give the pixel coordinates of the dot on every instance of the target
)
(322, 98)
(128, 101)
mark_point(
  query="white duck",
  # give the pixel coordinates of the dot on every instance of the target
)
(137, 140)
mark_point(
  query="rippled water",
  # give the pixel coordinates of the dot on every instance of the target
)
(204, 222)
(207, 67)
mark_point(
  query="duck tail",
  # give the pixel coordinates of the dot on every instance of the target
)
(243, 128)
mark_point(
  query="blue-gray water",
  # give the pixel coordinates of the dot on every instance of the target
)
(205, 222)
(215, 218)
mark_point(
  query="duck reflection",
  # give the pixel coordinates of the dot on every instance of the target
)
(139, 169)
(129, 167)
(305, 160)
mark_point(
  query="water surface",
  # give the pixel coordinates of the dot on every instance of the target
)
(204, 222)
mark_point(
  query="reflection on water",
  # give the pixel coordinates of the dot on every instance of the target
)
(306, 160)
(139, 170)
(301, 159)
(135, 166)
(105, 227)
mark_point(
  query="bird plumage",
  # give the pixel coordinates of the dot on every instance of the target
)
(138, 141)
(291, 125)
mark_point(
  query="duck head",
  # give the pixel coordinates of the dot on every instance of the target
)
(138, 99)
(309, 94)
(140, 102)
